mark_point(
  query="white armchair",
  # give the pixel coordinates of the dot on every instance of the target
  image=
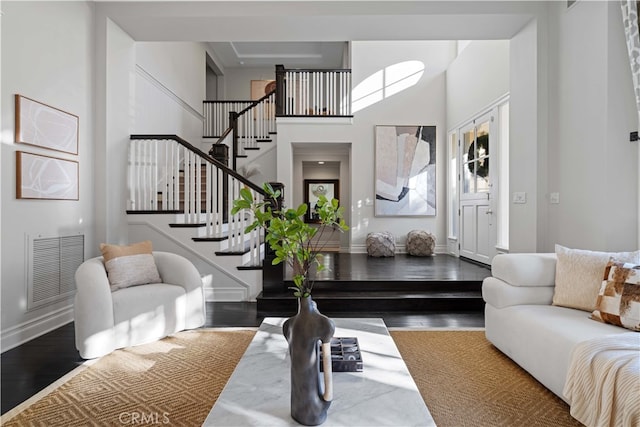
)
(106, 320)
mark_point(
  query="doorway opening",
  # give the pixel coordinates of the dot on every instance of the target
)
(323, 168)
(478, 185)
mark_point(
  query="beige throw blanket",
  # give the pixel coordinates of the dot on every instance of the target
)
(603, 381)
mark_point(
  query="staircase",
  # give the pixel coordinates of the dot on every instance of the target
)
(181, 199)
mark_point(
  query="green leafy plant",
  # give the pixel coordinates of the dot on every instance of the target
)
(289, 236)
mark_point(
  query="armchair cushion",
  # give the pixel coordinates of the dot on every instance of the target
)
(129, 265)
(141, 314)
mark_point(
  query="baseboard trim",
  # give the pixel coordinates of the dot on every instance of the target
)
(224, 295)
(26, 331)
(400, 249)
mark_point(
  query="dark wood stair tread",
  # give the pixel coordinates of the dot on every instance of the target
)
(374, 301)
(250, 266)
(218, 238)
(319, 294)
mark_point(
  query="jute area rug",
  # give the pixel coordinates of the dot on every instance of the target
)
(463, 379)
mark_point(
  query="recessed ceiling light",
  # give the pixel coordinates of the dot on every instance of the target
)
(321, 163)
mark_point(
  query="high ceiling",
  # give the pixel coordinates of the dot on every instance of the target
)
(290, 54)
(312, 33)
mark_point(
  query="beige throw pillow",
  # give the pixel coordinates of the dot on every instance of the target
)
(579, 275)
(130, 265)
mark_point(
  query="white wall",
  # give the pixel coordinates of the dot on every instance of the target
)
(47, 55)
(115, 62)
(476, 78)
(592, 164)
(170, 86)
(421, 104)
(524, 173)
(621, 120)
(238, 81)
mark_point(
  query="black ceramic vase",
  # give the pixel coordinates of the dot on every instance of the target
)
(310, 399)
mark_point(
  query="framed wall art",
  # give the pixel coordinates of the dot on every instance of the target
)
(405, 170)
(45, 126)
(313, 189)
(44, 177)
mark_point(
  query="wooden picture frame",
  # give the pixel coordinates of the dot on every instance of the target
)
(313, 188)
(45, 177)
(405, 171)
(45, 126)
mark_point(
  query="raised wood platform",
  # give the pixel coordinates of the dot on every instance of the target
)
(359, 283)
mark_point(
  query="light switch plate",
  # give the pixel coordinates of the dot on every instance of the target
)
(519, 197)
(554, 198)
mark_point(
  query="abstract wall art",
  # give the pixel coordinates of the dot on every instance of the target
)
(45, 126)
(44, 177)
(405, 170)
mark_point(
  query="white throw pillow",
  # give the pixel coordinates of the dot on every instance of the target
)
(579, 274)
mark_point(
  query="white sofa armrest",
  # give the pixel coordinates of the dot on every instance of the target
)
(501, 294)
(177, 270)
(531, 269)
(520, 279)
(93, 310)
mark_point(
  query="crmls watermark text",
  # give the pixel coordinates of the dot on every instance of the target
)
(143, 418)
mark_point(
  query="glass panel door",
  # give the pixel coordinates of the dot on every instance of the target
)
(468, 164)
(482, 157)
(476, 176)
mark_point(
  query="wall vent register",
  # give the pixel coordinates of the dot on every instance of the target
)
(52, 266)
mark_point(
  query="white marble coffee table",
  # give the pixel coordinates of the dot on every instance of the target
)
(384, 394)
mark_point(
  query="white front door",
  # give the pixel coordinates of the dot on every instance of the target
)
(478, 232)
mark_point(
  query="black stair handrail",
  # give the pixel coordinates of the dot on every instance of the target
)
(256, 102)
(233, 126)
(225, 169)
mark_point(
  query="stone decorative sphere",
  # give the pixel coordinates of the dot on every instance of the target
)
(420, 243)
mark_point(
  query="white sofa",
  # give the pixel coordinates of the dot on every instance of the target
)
(106, 320)
(521, 322)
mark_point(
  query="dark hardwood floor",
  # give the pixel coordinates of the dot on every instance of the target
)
(355, 282)
(27, 369)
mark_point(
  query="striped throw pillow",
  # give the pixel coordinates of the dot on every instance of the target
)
(130, 265)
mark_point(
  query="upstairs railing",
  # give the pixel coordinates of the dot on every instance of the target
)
(216, 116)
(244, 129)
(167, 174)
(303, 93)
(242, 125)
(257, 120)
